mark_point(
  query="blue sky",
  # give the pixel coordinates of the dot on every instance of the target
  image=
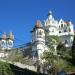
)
(20, 16)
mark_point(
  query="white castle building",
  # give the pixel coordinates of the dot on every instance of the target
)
(64, 30)
(6, 42)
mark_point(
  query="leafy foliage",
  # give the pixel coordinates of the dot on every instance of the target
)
(5, 69)
(59, 61)
(73, 51)
(16, 56)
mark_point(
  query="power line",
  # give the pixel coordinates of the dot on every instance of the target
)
(16, 39)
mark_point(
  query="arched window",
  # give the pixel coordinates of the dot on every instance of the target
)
(62, 26)
(69, 30)
(59, 31)
(66, 42)
(40, 33)
(3, 44)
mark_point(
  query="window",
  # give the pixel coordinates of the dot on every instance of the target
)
(3, 43)
(61, 25)
(65, 30)
(59, 31)
(10, 43)
(66, 42)
(69, 30)
(40, 33)
(37, 33)
(38, 36)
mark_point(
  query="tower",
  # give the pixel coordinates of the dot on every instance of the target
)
(3, 41)
(6, 42)
(10, 40)
(51, 25)
(38, 40)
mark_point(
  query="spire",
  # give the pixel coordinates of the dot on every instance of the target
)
(11, 36)
(4, 36)
(50, 15)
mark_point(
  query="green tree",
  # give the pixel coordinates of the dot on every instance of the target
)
(73, 51)
(5, 69)
(56, 61)
(63, 51)
(50, 55)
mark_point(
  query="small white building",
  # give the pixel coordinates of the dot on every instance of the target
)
(64, 30)
(6, 42)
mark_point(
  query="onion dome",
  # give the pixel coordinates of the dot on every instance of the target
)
(11, 36)
(4, 36)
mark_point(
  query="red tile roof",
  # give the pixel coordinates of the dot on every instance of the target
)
(38, 24)
(67, 23)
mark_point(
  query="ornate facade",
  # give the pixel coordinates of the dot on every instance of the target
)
(64, 30)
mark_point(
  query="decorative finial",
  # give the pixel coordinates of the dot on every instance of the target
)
(49, 13)
(50, 17)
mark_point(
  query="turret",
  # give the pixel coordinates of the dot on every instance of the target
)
(6, 42)
(10, 40)
(49, 20)
(38, 40)
(51, 25)
(3, 41)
